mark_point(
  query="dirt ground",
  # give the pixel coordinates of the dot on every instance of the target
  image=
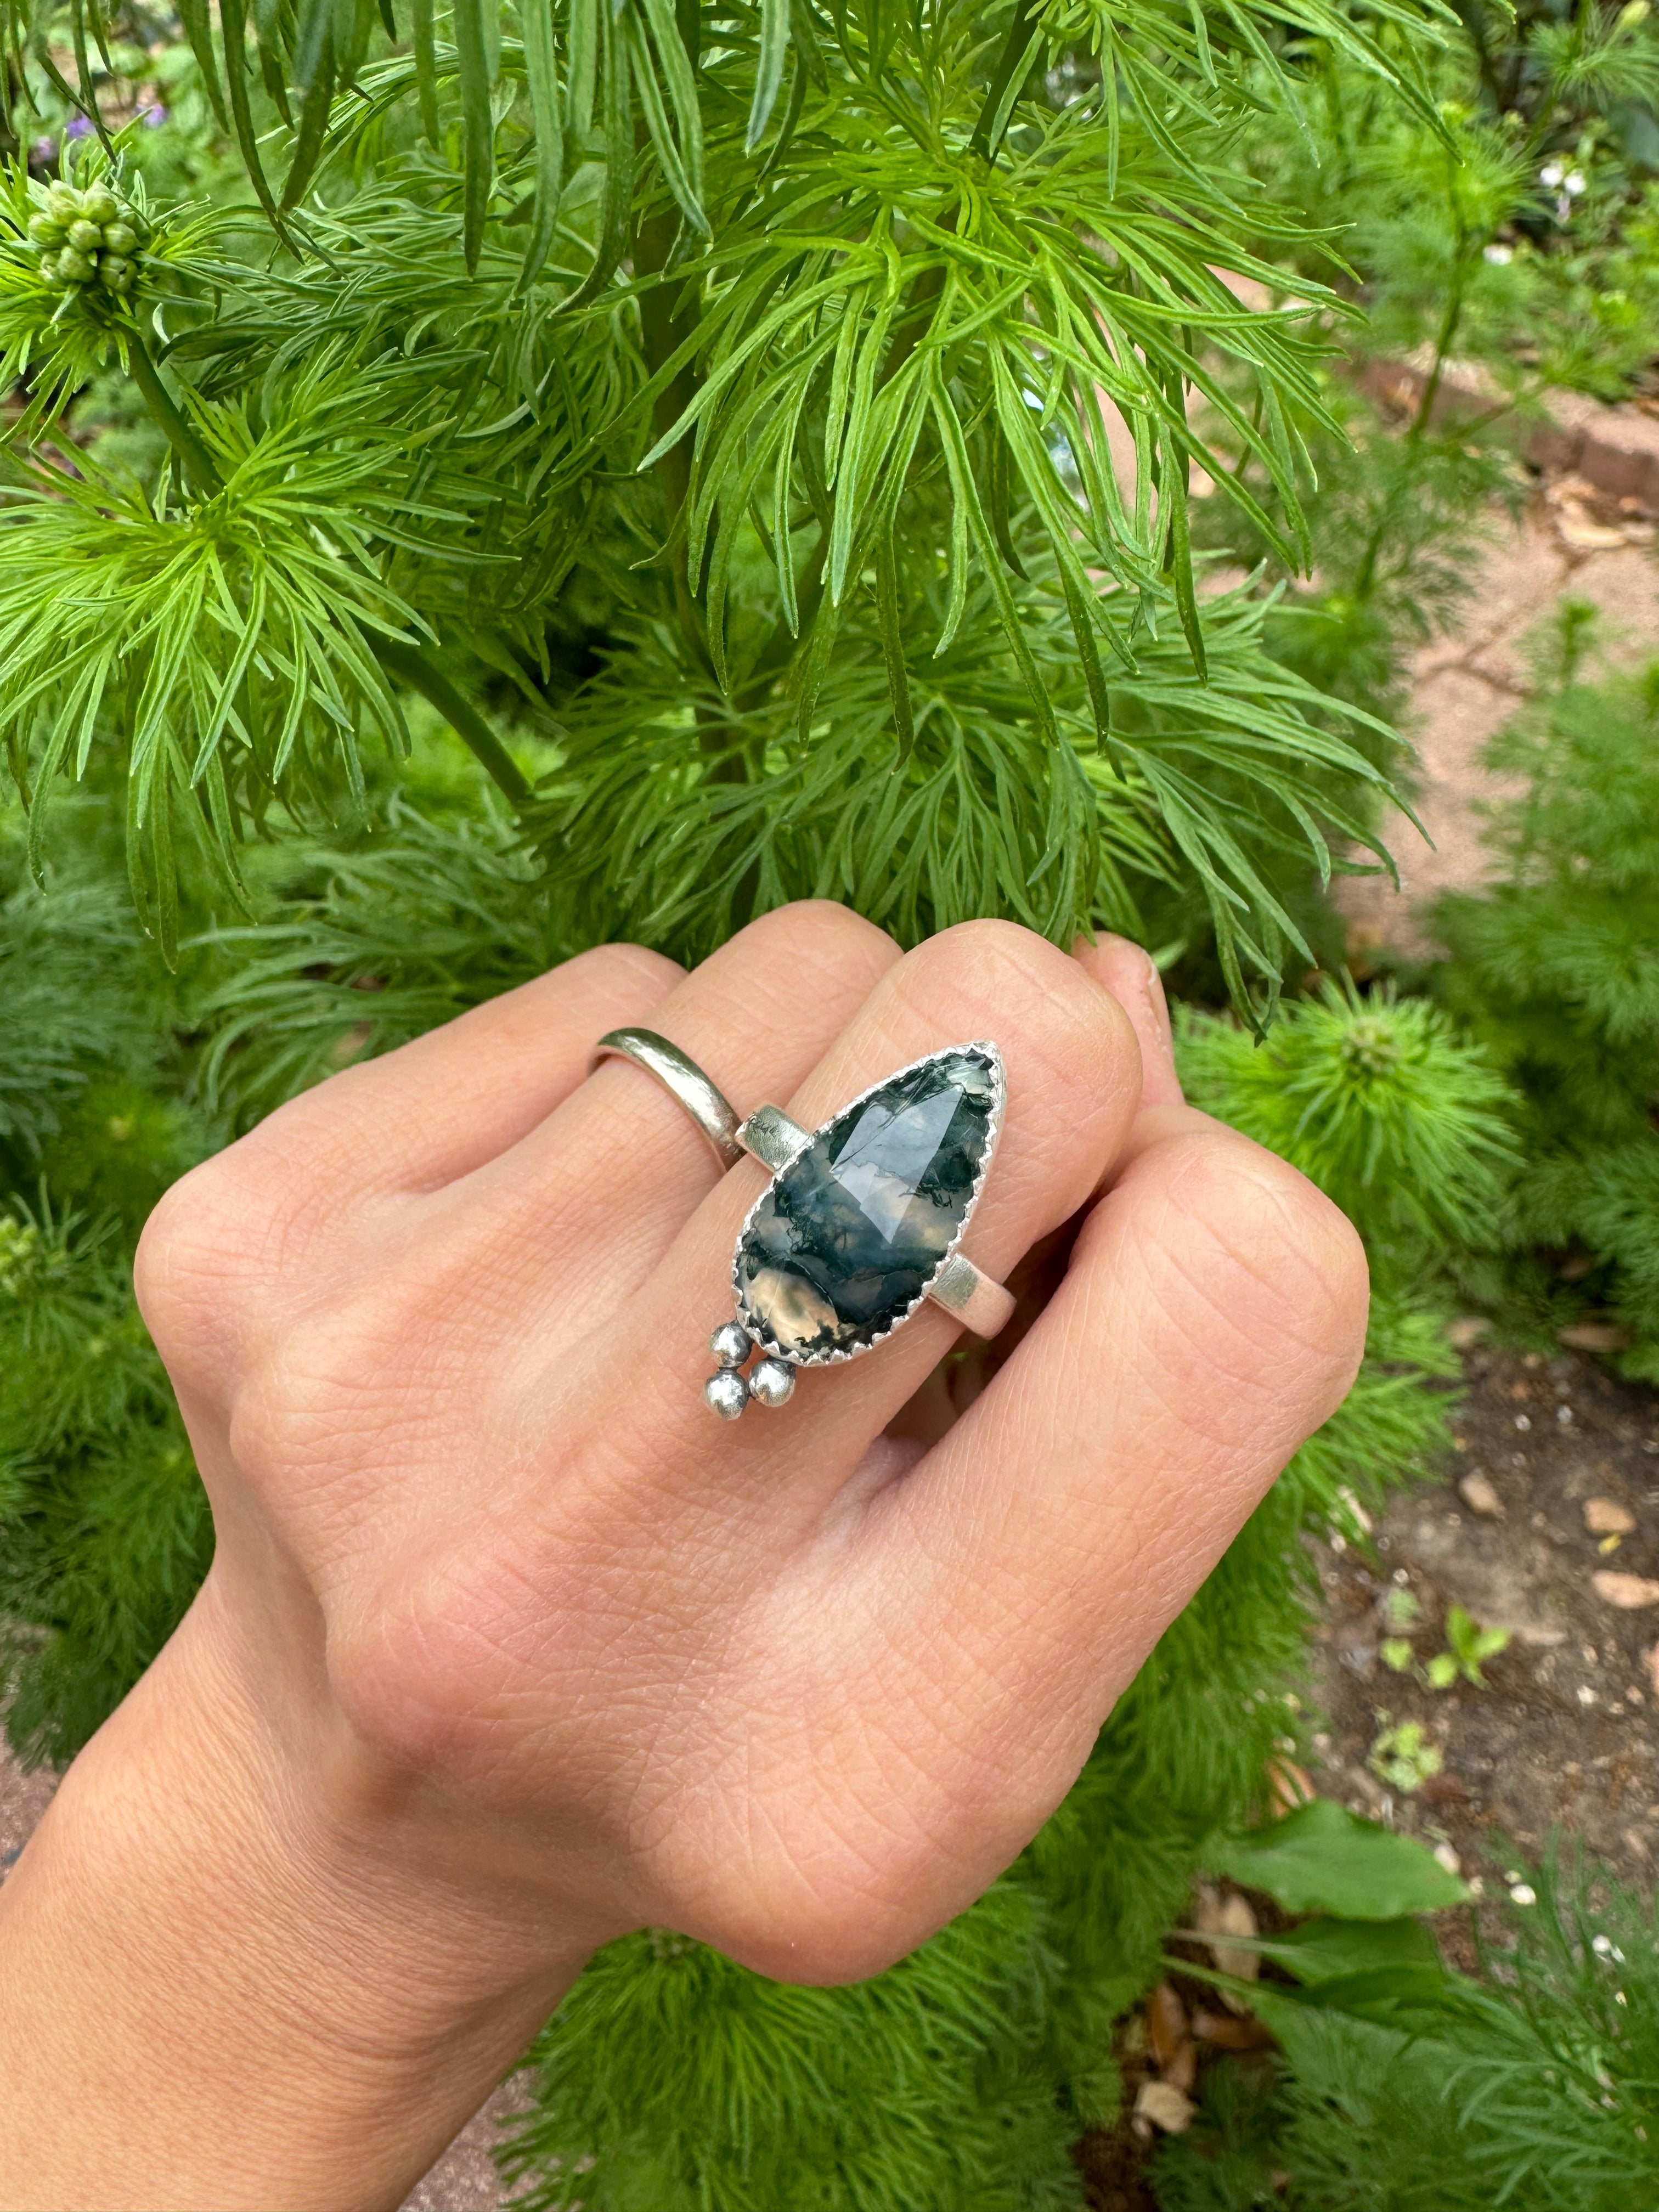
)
(1546, 1526)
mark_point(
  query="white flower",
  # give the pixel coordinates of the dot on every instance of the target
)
(1551, 174)
(1499, 256)
(1523, 1893)
(1573, 185)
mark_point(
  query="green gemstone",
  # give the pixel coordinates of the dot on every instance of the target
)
(853, 1230)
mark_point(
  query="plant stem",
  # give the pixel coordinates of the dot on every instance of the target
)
(170, 418)
(411, 666)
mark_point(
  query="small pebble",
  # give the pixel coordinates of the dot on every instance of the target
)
(1523, 1893)
(1479, 1494)
(1605, 1516)
(1630, 1593)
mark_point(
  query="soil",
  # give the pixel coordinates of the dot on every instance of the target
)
(1561, 1740)
(1565, 1732)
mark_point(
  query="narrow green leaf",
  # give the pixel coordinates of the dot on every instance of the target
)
(233, 21)
(997, 498)
(198, 30)
(617, 199)
(477, 126)
(542, 76)
(1172, 496)
(425, 69)
(775, 31)
(270, 70)
(892, 642)
(581, 68)
(313, 21)
(312, 135)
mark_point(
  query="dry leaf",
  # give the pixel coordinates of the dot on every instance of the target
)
(1466, 1329)
(1165, 2106)
(1166, 2024)
(1181, 2071)
(1228, 2032)
(1628, 1592)
(1577, 527)
(1605, 1516)
(1218, 1917)
(1291, 1785)
(1595, 1336)
(1479, 1494)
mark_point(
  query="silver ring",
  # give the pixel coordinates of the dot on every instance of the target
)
(863, 1218)
(684, 1081)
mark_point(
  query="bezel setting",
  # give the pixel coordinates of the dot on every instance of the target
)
(757, 1330)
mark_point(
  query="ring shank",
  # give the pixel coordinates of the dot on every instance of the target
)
(684, 1082)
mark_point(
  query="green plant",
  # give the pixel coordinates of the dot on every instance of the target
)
(1403, 1756)
(1406, 2086)
(1556, 969)
(1468, 1644)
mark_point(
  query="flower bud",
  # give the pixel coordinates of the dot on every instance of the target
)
(44, 232)
(102, 205)
(63, 203)
(120, 237)
(115, 273)
(73, 268)
(85, 237)
(49, 268)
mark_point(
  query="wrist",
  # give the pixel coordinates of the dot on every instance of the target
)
(279, 1991)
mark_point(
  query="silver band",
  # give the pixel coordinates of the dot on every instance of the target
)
(684, 1081)
(768, 1135)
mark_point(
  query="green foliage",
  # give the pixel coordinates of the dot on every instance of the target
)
(788, 346)
(1556, 970)
(1381, 1102)
(104, 1531)
(1408, 2087)
(1322, 1859)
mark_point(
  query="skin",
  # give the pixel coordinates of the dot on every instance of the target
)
(508, 1647)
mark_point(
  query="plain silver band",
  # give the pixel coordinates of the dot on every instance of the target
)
(770, 1136)
(684, 1081)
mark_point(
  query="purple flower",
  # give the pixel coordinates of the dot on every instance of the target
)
(44, 150)
(155, 117)
(80, 126)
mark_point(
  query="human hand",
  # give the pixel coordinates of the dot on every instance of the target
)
(531, 1649)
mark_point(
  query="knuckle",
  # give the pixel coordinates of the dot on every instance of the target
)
(191, 1259)
(1036, 999)
(1289, 1266)
(821, 932)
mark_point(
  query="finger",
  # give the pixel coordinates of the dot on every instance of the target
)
(1074, 1077)
(1212, 1318)
(576, 1214)
(1130, 975)
(437, 1107)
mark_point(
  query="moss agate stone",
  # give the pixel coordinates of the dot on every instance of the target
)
(856, 1226)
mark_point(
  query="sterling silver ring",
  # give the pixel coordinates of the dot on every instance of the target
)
(863, 1218)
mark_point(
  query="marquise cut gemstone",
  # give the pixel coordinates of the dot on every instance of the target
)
(856, 1226)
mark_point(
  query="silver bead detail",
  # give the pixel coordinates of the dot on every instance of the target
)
(772, 1382)
(726, 1393)
(730, 1344)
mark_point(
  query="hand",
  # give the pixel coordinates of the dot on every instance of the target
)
(510, 1646)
